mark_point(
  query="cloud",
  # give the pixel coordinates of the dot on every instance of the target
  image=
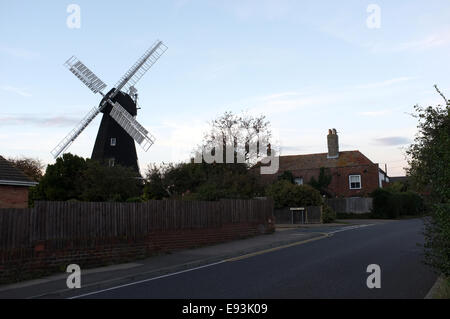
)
(392, 141)
(18, 52)
(434, 40)
(385, 83)
(16, 90)
(429, 42)
(36, 120)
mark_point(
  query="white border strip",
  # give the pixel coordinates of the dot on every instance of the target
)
(350, 228)
(146, 280)
(196, 268)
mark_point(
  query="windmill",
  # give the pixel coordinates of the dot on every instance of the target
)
(118, 129)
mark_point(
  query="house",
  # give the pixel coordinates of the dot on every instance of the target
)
(14, 186)
(352, 173)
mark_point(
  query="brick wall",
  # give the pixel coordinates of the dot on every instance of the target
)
(13, 196)
(339, 185)
(340, 182)
(47, 257)
(45, 239)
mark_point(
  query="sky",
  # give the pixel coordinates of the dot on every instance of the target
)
(308, 66)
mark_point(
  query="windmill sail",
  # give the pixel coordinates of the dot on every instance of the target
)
(132, 127)
(126, 121)
(65, 143)
(84, 74)
(142, 65)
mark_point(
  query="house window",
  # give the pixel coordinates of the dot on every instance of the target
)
(113, 141)
(298, 181)
(355, 181)
(111, 162)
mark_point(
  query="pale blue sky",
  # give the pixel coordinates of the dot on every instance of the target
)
(307, 65)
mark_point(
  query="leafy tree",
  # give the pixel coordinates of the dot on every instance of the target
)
(199, 181)
(286, 194)
(154, 186)
(240, 132)
(32, 167)
(103, 183)
(429, 161)
(74, 178)
(62, 180)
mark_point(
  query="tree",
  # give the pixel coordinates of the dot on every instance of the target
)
(429, 171)
(244, 133)
(286, 194)
(102, 183)
(62, 180)
(32, 167)
(199, 181)
(74, 178)
(154, 186)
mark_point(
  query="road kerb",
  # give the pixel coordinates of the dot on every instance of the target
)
(324, 235)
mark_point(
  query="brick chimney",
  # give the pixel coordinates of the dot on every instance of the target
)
(333, 144)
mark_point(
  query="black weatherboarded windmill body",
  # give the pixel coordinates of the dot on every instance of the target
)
(119, 129)
(113, 144)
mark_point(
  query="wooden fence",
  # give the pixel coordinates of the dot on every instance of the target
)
(90, 221)
(353, 205)
(311, 215)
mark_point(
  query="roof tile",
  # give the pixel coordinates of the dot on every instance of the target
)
(8, 172)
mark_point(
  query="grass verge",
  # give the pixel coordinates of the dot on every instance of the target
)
(443, 289)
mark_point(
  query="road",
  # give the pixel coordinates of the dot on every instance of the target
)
(333, 267)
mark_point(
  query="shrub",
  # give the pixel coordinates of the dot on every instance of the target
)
(136, 199)
(389, 203)
(328, 214)
(437, 235)
(286, 194)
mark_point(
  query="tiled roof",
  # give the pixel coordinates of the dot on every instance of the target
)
(313, 161)
(10, 175)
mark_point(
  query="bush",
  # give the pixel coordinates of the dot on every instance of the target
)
(328, 214)
(389, 203)
(136, 199)
(286, 194)
(437, 234)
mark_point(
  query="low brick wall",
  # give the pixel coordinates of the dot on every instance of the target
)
(19, 261)
(49, 257)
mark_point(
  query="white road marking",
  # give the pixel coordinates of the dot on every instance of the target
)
(147, 280)
(350, 228)
(196, 268)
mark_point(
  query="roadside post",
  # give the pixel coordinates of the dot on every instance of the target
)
(298, 209)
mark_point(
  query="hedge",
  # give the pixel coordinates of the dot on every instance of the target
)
(392, 204)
